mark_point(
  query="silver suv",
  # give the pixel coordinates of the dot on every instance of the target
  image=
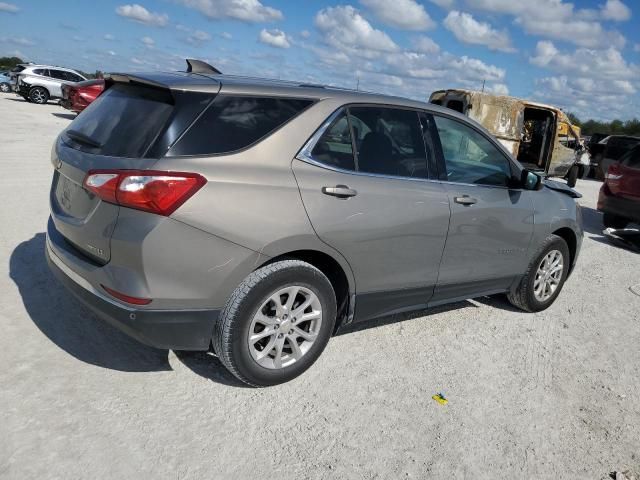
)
(257, 217)
(40, 83)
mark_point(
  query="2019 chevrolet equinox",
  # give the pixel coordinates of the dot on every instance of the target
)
(196, 210)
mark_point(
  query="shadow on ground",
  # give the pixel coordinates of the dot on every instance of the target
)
(66, 116)
(592, 224)
(76, 330)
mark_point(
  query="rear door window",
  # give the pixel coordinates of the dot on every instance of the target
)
(123, 122)
(389, 141)
(335, 148)
(233, 123)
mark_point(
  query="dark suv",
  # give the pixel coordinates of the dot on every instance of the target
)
(258, 217)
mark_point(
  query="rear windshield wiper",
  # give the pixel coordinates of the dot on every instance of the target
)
(82, 138)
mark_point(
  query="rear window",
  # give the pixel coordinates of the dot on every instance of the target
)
(617, 146)
(123, 122)
(232, 123)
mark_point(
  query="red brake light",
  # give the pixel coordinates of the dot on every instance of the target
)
(152, 191)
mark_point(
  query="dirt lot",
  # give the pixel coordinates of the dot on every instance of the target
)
(548, 395)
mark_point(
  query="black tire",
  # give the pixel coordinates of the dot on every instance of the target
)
(572, 176)
(39, 95)
(523, 296)
(614, 221)
(232, 328)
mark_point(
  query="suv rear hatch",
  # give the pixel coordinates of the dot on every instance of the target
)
(128, 127)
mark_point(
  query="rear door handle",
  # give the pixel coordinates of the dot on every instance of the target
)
(340, 191)
(465, 200)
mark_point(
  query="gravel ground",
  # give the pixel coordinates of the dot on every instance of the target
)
(547, 395)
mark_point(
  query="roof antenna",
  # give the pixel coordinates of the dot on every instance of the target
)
(198, 66)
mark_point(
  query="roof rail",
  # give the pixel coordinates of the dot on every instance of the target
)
(198, 66)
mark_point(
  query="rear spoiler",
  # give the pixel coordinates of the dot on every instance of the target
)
(112, 78)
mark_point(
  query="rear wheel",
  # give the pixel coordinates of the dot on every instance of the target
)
(614, 221)
(39, 95)
(544, 278)
(5, 87)
(276, 323)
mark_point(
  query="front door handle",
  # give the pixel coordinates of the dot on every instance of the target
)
(340, 191)
(465, 200)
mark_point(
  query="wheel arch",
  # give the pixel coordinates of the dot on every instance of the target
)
(339, 275)
(569, 236)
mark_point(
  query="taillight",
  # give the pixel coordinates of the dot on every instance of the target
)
(151, 191)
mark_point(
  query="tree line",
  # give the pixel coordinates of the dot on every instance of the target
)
(614, 127)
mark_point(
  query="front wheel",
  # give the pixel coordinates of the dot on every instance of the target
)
(544, 278)
(39, 95)
(5, 87)
(276, 323)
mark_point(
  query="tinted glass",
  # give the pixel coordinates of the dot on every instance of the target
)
(60, 75)
(40, 71)
(72, 77)
(632, 158)
(334, 147)
(469, 156)
(618, 146)
(233, 123)
(122, 122)
(388, 141)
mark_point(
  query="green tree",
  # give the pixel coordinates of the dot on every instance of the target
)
(7, 63)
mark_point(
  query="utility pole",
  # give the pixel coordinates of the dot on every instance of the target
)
(483, 86)
(358, 83)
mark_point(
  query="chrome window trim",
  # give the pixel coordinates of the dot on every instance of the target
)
(304, 155)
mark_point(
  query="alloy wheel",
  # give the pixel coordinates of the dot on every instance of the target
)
(548, 276)
(285, 327)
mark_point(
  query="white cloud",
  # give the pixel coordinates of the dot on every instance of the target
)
(148, 42)
(244, 10)
(198, 37)
(583, 62)
(498, 89)
(9, 7)
(616, 10)
(556, 19)
(108, 36)
(345, 29)
(403, 14)
(111, 52)
(274, 38)
(226, 35)
(139, 14)
(424, 44)
(25, 42)
(636, 47)
(468, 30)
(305, 33)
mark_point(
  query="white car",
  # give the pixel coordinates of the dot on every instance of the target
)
(39, 83)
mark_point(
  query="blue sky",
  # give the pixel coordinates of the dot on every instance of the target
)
(582, 56)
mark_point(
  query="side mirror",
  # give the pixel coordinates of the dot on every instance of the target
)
(531, 181)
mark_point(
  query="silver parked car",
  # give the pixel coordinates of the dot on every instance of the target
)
(40, 83)
(256, 217)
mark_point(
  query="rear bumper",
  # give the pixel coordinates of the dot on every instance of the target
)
(166, 329)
